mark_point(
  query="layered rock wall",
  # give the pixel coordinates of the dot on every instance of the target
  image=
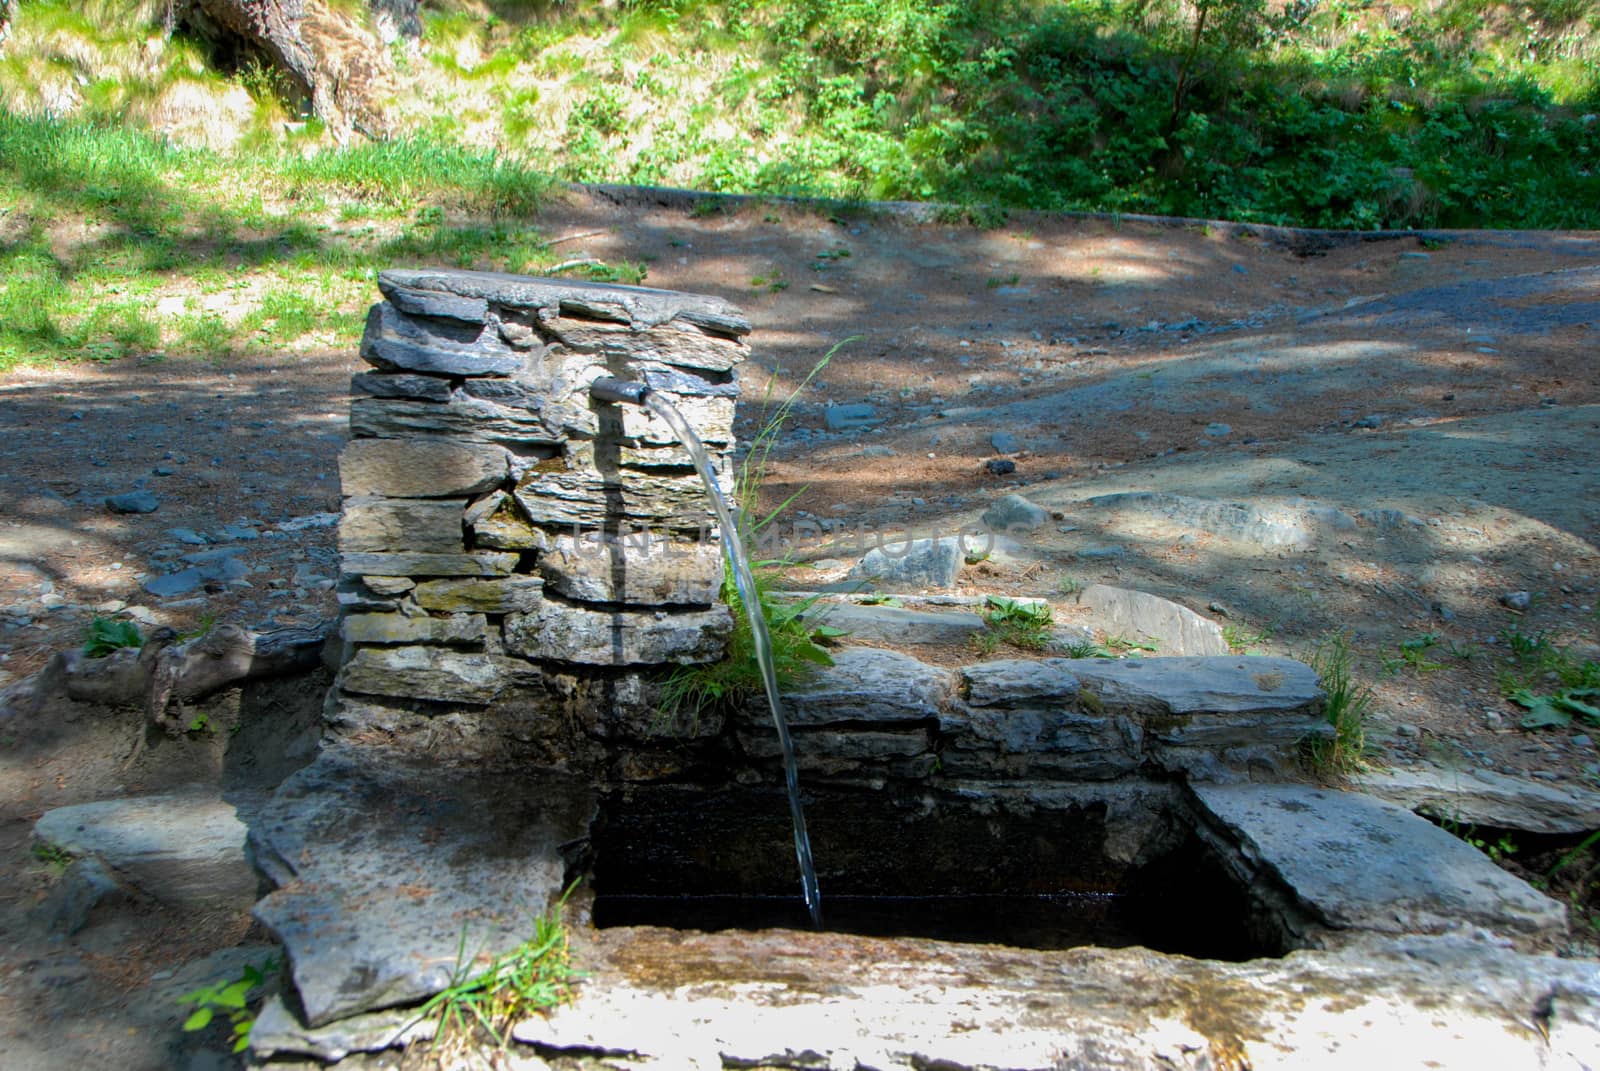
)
(518, 560)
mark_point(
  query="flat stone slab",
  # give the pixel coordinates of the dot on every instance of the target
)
(184, 850)
(395, 875)
(666, 999)
(1358, 863)
(897, 624)
(866, 685)
(636, 305)
(1484, 798)
(1235, 684)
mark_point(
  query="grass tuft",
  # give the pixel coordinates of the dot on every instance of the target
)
(1346, 709)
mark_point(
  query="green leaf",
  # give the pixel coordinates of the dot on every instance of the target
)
(198, 1020)
(1543, 714)
(1572, 706)
(810, 652)
(234, 996)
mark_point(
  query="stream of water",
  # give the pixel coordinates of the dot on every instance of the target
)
(733, 547)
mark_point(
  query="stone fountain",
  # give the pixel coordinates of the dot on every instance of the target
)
(522, 565)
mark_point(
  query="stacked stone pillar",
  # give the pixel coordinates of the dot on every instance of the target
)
(520, 561)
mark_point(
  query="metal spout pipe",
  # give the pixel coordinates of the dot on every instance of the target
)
(617, 391)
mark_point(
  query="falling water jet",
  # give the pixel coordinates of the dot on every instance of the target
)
(608, 389)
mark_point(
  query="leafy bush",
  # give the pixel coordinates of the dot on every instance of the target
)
(107, 634)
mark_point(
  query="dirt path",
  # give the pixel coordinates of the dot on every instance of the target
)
(1408, 433)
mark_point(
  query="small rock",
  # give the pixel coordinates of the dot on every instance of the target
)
(1371, 420)
(877, 451)
(1218, 430)
(133, 502)
(1000, 466)
(1004, 442)
(1411, 731)
(312, 520)
(1582, 740)
(179, 583)
(1493, 719)
(1109, 550)
(188, 536)
(846, 417)
(1544, 775)
(1014, 513)
(1516, 600)
(1241, 269)
(165, 470)
(239, 532)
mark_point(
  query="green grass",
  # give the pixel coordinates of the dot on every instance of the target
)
(534, 976)
(113, 244)
(1468, 113)
(1346, 709)
(693, 691)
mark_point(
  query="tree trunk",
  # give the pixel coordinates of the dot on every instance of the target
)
(334, 60)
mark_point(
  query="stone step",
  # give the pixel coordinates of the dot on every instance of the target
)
(396, 873)
(1361, 865)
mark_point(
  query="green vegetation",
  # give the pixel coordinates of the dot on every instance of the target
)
(118, 245)
(51, 855)
(106, 635)
(1414, 654)
(797, 644)
(231, 999)
(1341, 113)
(1346, 709)
(535, 975)
(1022, 625)
(1240, 638)
(1545, 680)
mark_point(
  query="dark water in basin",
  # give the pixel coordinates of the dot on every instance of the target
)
(1064, 920)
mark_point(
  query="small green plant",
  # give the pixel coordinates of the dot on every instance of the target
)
(1240, 639)
(1084, 649)
(974, 557)
(201, 723)
(1414, 653)
(52, 855)
(1019, 624)
(995, 282)
(107, 634)
(1127, 645)
(1069, 584)
(536, 975)
(797, 644)
(628, 273)
(771, 281)
(1346, 708)
(231, 999)
(1547, 682)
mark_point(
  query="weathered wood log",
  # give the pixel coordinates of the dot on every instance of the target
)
(164, 670)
